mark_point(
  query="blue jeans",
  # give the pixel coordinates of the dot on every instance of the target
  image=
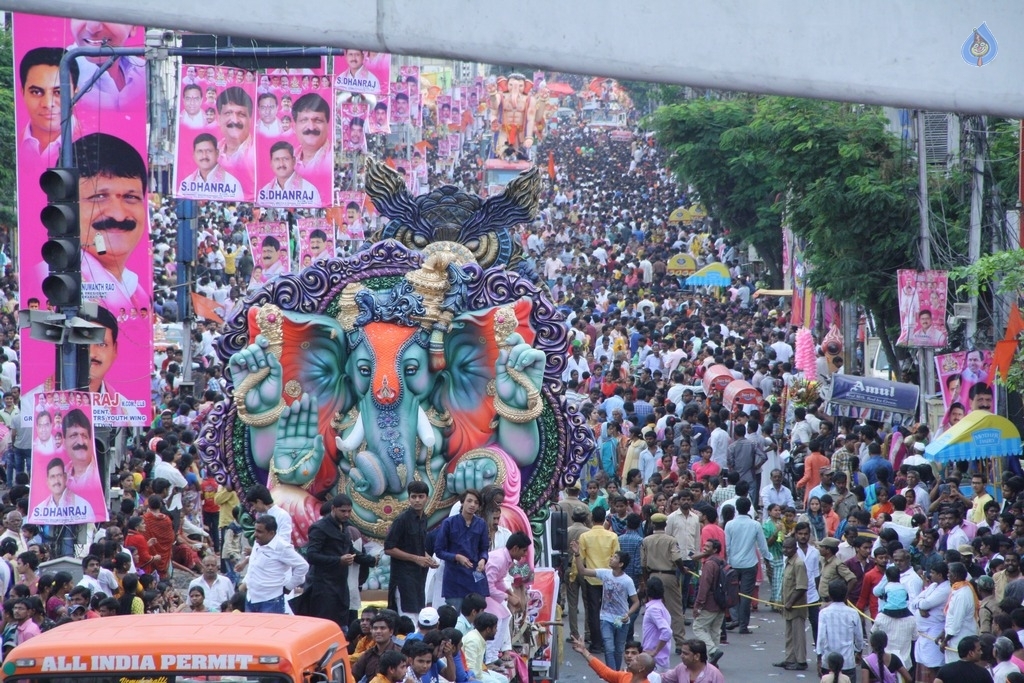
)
(614, 638)
(20, 457)
(273, 606)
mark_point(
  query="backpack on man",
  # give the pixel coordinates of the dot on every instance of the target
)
(727, 588)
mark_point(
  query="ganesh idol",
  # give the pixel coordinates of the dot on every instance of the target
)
(433, 355)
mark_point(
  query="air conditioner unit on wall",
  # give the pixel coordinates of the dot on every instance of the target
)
(962, 311)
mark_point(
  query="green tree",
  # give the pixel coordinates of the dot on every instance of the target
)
(705, 141)
(831, 171)
(852, 196)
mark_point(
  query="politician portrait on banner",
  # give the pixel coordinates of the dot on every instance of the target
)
(377, 120)
(352, 220)
(444, 110)
(399, 104)
(410, 76)
(316, 240)
(65, 486)
(109, 148)
(362, 72)
(353, 127)
(216, 150)
(922, 305)
(959, 374)
(269, 246)
(295, 143)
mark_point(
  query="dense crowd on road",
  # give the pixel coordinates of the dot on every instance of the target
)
(689, 516)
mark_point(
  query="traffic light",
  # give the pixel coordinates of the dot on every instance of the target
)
(62, 252)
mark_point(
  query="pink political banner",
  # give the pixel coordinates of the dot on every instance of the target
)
(444, 110)
(110, 150)
(444, 148)
(353, 126)
(65, 485)
(216, 149)
(353, 217)
(399, 104)
(378, 120)
(959, 373)
(294, 141)
(410, 75)
(270, 247)
(922, 303)
(362, 72)
(316, 240)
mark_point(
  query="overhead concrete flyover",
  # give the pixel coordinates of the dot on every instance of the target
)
(904, 53)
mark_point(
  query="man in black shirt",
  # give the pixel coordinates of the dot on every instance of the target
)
(330, 553)
(969, 668)
(405, 544)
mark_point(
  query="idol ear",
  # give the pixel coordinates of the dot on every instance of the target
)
(471, 353)
(313, 355)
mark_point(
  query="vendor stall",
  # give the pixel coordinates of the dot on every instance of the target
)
(872, 399)
(716, 379)
(740, 392)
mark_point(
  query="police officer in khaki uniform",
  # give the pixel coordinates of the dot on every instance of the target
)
(831, 567)
(660, 556)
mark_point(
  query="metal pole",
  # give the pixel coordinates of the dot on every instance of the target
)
(186, 251)
(926, 357)
(974, 236)
(1020, 190)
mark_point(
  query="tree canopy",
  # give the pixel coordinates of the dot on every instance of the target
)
(830, 171)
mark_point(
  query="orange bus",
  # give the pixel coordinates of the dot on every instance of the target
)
(184, 648)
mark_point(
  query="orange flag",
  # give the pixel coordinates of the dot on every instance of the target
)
(206, 308)
(1002, 358)
(1015, 325)
(551, 165)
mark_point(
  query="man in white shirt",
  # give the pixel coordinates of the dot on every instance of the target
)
(268, 123)
(719, 442)
(288, 188)
(783, 351)
(775, 493)
(210, 180)
(576, 362)
(192, 114)
(217, 587)
(262, 502)
(356, 78)
(273, 568)
(650, 456)
(44, 445)
(61, 506)
(165, 469)
(96, 578)
(123, 85)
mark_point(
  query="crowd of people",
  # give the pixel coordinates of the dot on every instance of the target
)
(686, 517)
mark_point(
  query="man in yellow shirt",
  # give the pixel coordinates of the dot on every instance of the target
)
(981, 496)
(596, 547)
